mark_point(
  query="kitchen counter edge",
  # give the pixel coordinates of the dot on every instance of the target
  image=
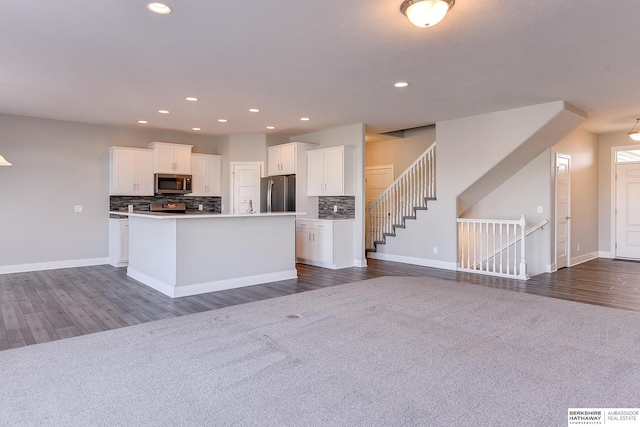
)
(160, 215)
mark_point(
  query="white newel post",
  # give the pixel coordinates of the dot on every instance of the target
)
(523, 251)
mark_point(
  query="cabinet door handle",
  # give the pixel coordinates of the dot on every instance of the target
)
(309, 236)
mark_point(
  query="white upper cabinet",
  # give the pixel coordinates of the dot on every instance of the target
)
(171, 158)
(331, 171)
(206, 170)
(130, 172)
(282, 159)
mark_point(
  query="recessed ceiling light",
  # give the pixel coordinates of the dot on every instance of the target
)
(254, 110)
(191, 98)
(143, 122)
(271, 127)
(163, 111)
(159, 8)
(305, 119)
(401, 84)
(196, 129)
(222, 120)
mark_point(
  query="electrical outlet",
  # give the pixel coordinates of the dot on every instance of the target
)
(200, 207)
(578, 247)
(435, 250)
(335, 208)
(77, 208)
(539, 209)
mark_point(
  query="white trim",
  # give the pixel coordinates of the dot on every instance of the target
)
(206, 287)
(552, 268)
(53, 265)
(414, 261)
(555, 207)
(583, 258)
(360, 262)
(614, 193)
(606, 254)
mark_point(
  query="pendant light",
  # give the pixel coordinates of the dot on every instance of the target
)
(426, 13)
(634, 134)
(4, 162)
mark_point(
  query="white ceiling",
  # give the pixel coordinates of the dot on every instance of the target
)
(335, 61)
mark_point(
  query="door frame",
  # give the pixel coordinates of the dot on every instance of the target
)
(614, 194)
(555, 214)
(232, 181)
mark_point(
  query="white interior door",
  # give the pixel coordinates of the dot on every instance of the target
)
(628, 210)
(245, 182)
(563, 210)
(378, 179)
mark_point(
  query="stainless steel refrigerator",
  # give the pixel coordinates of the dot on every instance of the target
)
(278, 193)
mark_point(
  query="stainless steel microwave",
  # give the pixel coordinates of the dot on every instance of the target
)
(172, 184)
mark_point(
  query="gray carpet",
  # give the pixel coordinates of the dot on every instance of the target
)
(388, 351)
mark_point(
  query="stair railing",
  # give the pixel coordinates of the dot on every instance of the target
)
(494, 247)
(408, 192)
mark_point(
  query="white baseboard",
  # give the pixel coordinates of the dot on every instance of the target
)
(360, 262)
(552, 268)
(606, 254)
(583, 258)
(203, 288)
(52, 265)
(414, 261)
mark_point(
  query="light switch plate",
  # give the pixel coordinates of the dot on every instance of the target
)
(77, 208)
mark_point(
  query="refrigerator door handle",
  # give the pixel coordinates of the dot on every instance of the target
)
(269, 191)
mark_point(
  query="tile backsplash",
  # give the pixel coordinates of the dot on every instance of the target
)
(346, 206)
(141, 203)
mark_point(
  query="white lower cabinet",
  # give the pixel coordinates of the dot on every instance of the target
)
(325, 243)
(118, 242)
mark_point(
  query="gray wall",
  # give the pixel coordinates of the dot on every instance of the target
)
(521, 195)
(400, 152)
(582, 146)
(57, 165)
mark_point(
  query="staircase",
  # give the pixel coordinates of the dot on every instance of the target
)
(408, 194)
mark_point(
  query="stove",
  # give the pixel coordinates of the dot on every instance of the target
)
(168, 207)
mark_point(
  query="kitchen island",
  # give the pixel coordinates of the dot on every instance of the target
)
(188, 254)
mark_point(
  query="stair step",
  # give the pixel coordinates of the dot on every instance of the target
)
(403, 226)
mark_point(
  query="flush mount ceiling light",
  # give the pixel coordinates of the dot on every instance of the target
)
(163, 111)
(191, 98)
(4, 162)
(634, 134)
(143, 122)
(159, 8)
(254, 110)
(401, 84)
(426, 13)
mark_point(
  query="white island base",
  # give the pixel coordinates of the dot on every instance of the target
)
(182, 255)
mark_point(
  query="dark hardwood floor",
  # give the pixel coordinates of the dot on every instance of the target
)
(43, 306)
